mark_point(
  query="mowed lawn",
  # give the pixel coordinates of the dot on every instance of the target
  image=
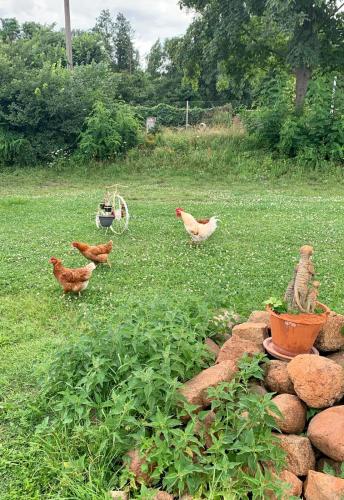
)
(249, 258)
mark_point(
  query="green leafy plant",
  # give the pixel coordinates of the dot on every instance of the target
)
(14, 148)
(313, 134)
(241, 441)
(108, 132)
(328, 469)
(311, 412)
(112, 391)
(277, 305)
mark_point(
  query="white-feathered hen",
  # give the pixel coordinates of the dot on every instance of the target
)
(198, 229)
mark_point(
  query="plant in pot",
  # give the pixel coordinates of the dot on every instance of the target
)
(297, 320)
(106, 205)
(106, 215)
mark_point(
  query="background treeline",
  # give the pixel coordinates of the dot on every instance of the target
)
(275, 62)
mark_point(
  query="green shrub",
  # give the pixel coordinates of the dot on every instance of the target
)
(48, 106)
(14, 148)
(314, 134)
(108, 132)
(114, 390)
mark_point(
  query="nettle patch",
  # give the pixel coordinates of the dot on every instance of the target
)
(114, 414)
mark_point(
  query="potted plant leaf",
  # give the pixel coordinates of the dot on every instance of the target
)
(297, 320)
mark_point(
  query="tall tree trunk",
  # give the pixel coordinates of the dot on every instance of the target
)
(303, 76)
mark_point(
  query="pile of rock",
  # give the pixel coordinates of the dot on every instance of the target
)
(307, 381)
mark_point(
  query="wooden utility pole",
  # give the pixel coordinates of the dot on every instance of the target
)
(68, 31)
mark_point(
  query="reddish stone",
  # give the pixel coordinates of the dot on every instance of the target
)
(254, 332)
(119, 495)
(293, 489)
(319, 486)
(330, 337)
(212, 347)
(135, 466)
(277, 378)
(300, 457)
(256, 388)
(337, 357)
(204, 425)
(326, 432)
(318, 381)
(260, 317)
(293, 412)
(195, 390)
(162, 495)
(235, 348)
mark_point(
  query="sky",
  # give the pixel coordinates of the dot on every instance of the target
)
(151, 19)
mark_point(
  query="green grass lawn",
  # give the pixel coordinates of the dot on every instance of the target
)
(249, 258)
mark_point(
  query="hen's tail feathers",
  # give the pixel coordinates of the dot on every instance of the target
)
(214, 220)
(91, 266)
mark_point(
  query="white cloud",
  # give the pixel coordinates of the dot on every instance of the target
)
(151, 19)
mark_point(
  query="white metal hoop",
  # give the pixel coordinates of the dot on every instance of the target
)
(120, 222)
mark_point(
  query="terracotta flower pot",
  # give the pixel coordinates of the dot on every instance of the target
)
(294, 334)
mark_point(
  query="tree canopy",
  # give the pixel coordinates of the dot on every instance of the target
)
(301, 37)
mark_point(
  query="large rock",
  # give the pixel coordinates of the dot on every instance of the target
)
(135, 466)
(257, 388)
(254, 332)
(195, 390)
(319, 486)
(277, 378)
(118, 495)
(260, 317)
(162, 495)
(235, 348)
(330, 337)
(293, 489)
(293, 412)
(300, 457)
(326, 432)
(212, 347)
(295, 484)
(318, 381)
(203, 427)
(337, 357)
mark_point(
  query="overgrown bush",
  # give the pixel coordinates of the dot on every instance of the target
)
(15, 148)
(108, 132)
(314, 133)
(116, 390)
(48, 106)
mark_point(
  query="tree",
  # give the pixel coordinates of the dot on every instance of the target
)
(105, 26)
(155, 60)
(303, 36)
(10, 29)
(30, 28)
(126, 57)
(89, 48)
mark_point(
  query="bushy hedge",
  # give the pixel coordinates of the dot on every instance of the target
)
(171, 116)
(43, 112)
(314, 133)
(108, 132)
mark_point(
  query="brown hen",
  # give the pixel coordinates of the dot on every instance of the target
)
(72, 280)
(97, 253)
